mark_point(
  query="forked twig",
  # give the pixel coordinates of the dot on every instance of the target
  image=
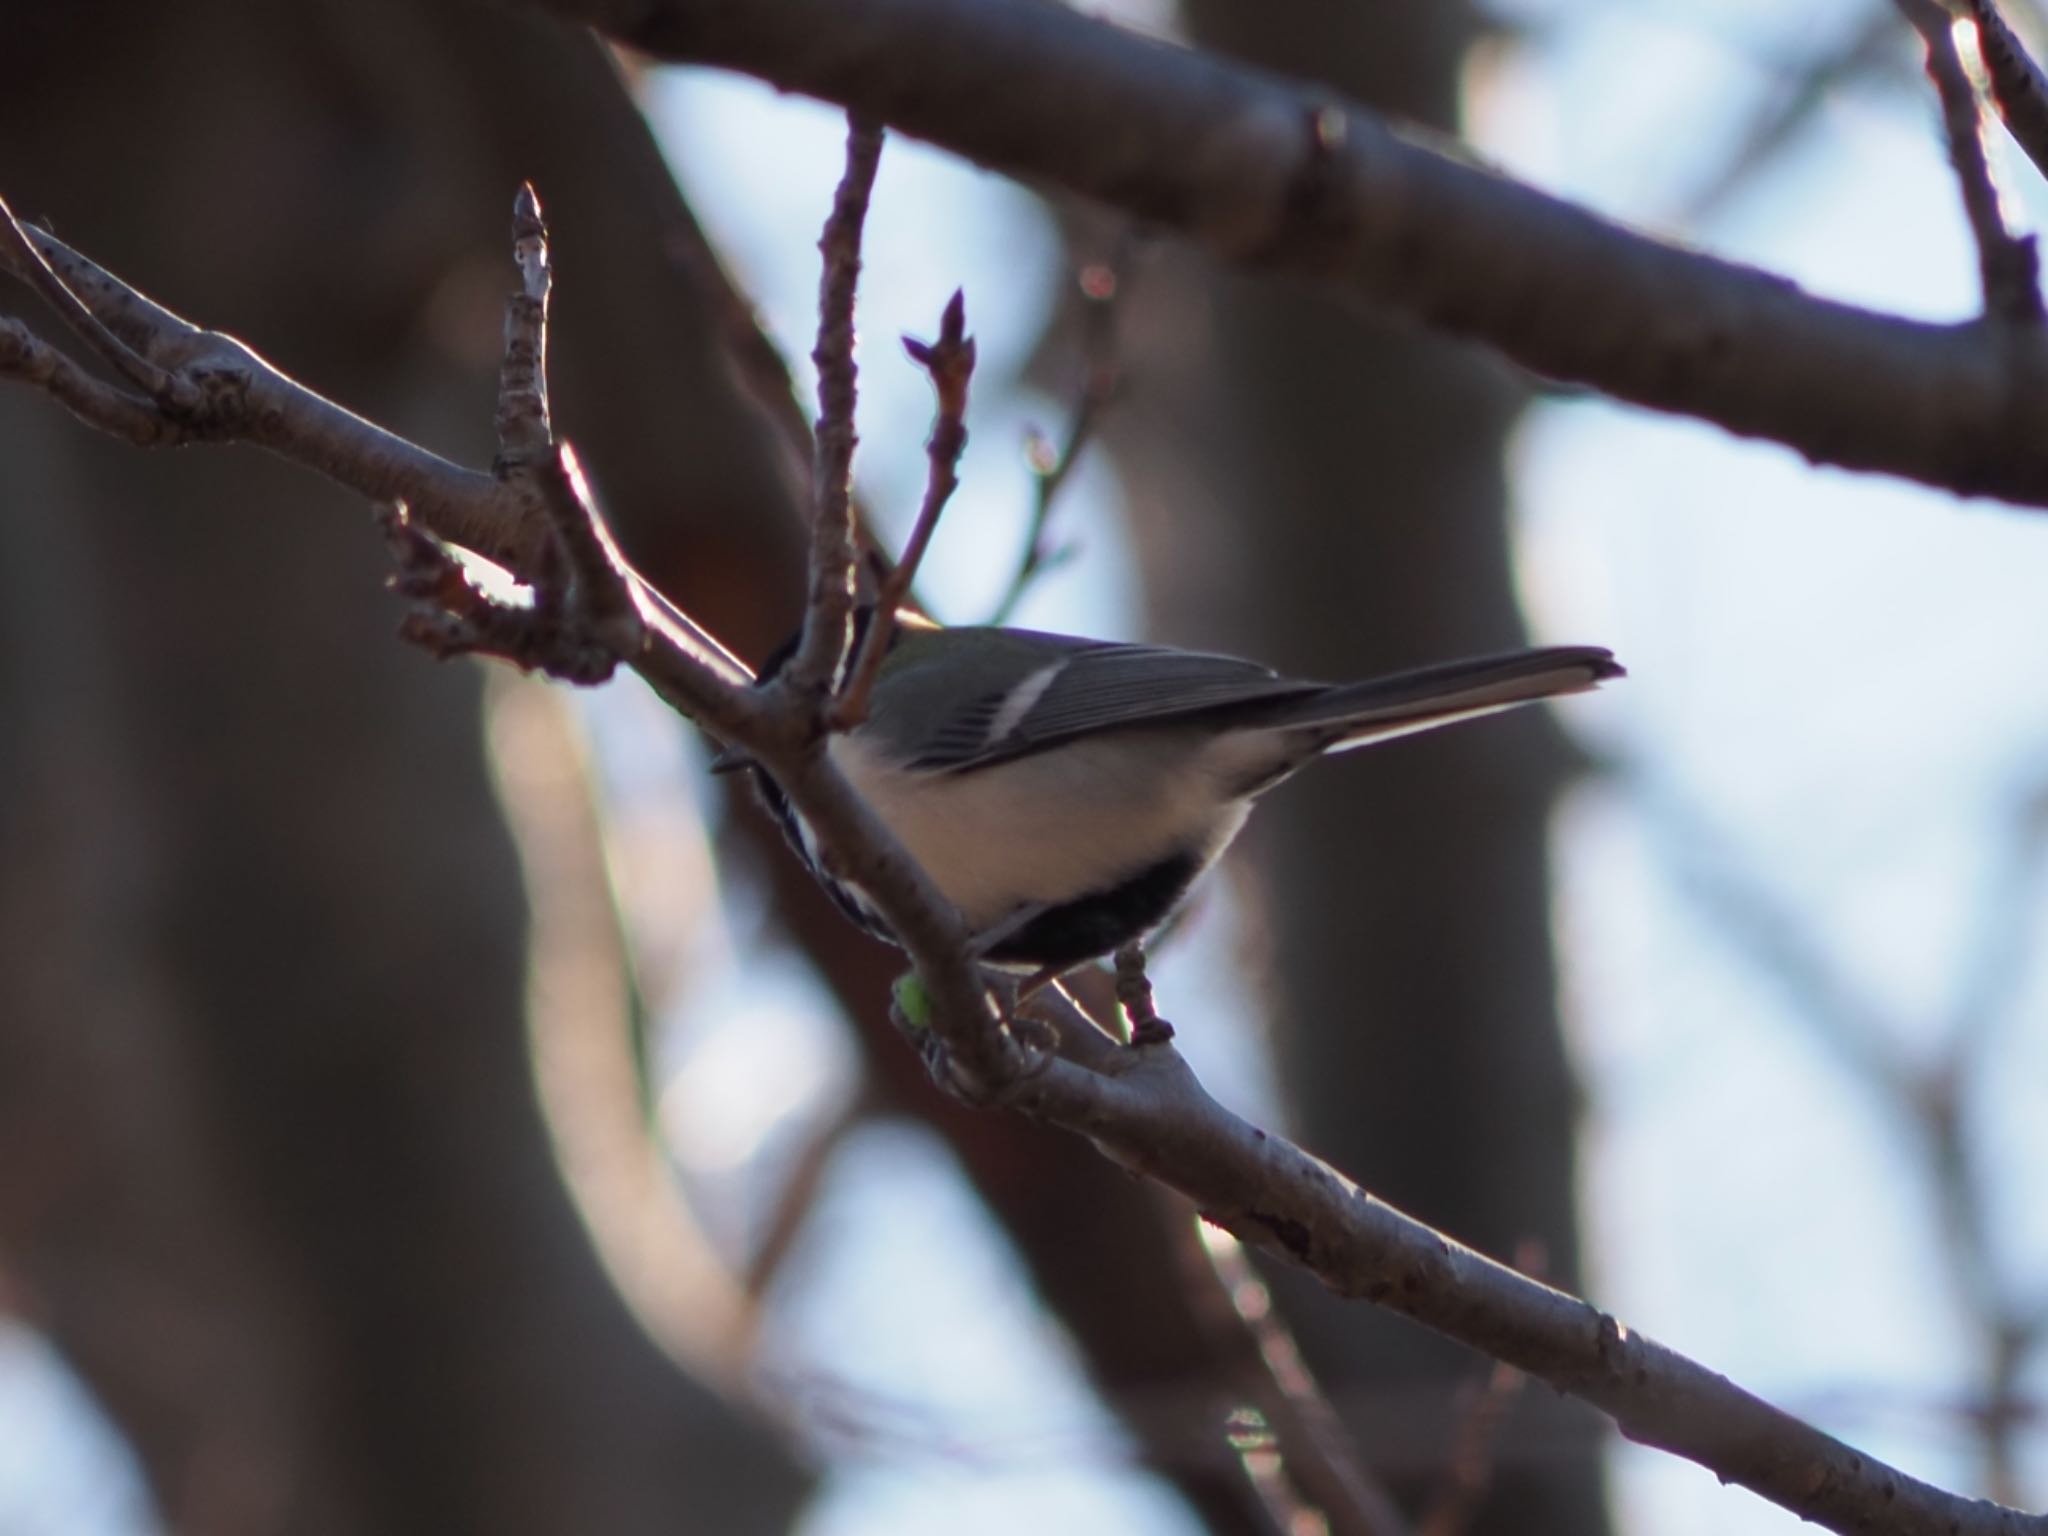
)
(1104, 287)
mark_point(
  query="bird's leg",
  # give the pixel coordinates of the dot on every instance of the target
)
(1040, 979)
(1134, 992)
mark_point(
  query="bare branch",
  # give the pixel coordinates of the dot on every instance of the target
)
(1275, 175)
(798, 1195)
(1472, 1452)
(26, 356)
(1102, 286)
(2017, 84)
(950, 363)
(1926, 1100)
(525, 432)
(1141, 1106)
(2008, 268)
(241, 398)
(1154, 1118)
(1313, 1443)
(823, 647)
(1867, 51)
(23, 256)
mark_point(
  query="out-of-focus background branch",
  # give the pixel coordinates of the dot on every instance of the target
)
(333, 1243)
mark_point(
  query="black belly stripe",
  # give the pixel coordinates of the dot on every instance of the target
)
(1097, 923)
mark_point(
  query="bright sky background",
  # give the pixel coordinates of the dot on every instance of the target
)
(1837, 678)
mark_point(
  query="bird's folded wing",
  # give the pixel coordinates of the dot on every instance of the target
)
(1094, 689)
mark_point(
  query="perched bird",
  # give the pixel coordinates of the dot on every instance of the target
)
(1064, 793)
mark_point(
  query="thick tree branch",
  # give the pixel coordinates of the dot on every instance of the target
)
(1269, 173)
(1142, 1107)
(1155, 1118)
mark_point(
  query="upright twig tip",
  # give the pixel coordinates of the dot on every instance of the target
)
(950, 362)
(949, 359)
(526, 216)
(525, 426)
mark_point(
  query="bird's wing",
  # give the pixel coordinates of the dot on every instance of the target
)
(1092, 688)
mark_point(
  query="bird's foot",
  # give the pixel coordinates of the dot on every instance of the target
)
(1134, 993)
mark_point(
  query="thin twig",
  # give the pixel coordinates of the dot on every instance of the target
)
(822, 650)
(525, 430)
(797, 1197)
(949, 362)
(133, 418)
(1392, 219)
(1154, 1118)
(244, 399)
(1927, 1099)
(26, 259)
(2017, 83)
(1103, 287)
(2008, 266)
(1870, 50)
(1479, 1428)
(1473, 1448)
(757, 363)
(1312, 1442)
(1472, 1453)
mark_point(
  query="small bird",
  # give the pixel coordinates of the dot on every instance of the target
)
(1064, 793)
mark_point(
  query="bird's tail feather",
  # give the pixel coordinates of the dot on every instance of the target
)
(1356, 714)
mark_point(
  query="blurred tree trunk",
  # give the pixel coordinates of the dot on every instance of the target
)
(342, 206)
(271, 1169)
(1326, 493)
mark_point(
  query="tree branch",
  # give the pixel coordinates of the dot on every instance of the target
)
(2008, 270)
(950, 363)
(1154, 1118)
(1271, 174)
(1315, 1448)
(822, 650)
(1141, 1107)
(1102, 287)
(240, 398)
(2017, 84)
